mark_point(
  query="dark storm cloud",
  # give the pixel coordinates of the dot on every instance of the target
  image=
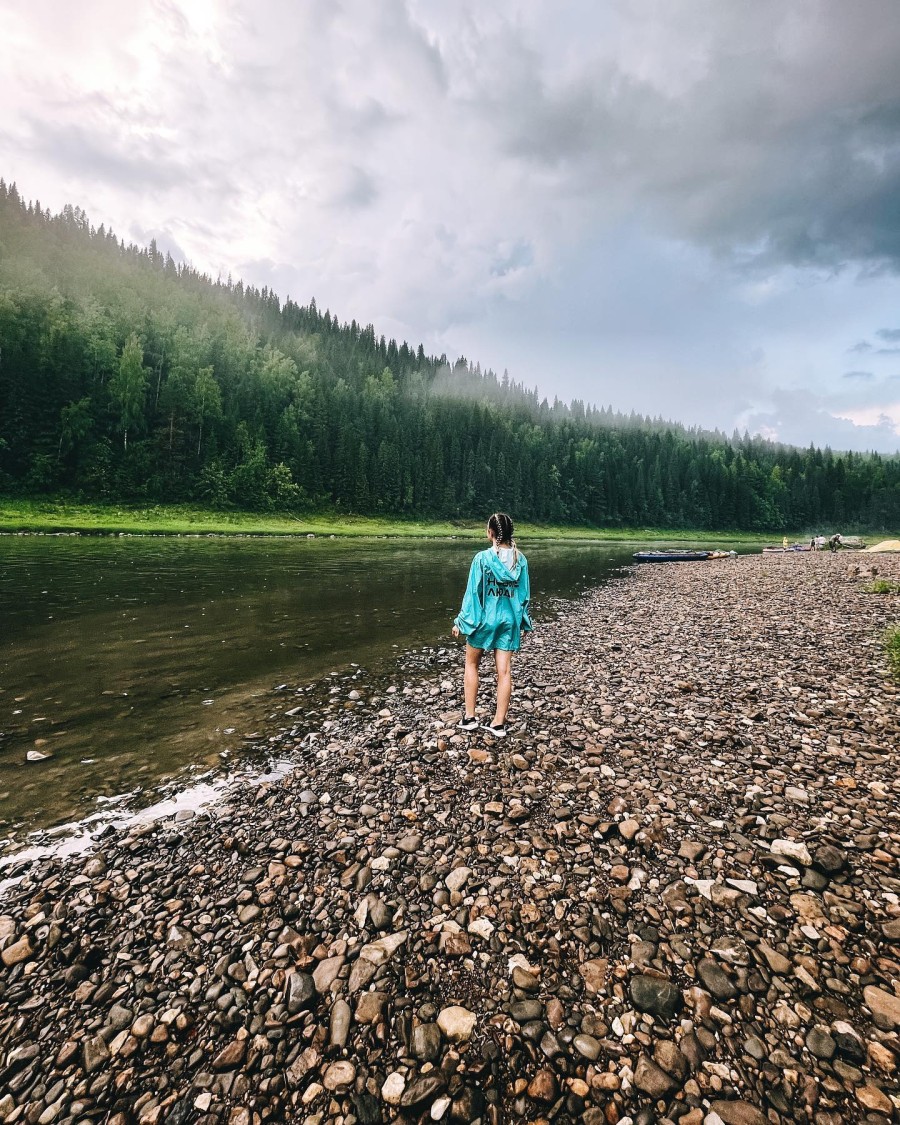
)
(889, 335)
(776, 140)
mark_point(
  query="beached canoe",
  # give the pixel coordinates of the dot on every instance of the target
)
(670, 556)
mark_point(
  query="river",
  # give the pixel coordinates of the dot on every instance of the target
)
(131, 662)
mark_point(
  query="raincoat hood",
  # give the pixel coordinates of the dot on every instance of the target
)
(498, 567)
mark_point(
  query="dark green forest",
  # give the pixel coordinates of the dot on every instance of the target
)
(126, 376)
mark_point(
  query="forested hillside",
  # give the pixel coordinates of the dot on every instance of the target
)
(127, 376)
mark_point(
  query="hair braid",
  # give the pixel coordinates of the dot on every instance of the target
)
(502, 526)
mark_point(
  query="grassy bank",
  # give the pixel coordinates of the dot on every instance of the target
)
(892, 649)
(62, 516)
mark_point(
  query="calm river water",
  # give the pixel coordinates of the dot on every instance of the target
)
(133, 660)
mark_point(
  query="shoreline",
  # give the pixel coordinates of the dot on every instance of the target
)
(671, 894)
(29, 517)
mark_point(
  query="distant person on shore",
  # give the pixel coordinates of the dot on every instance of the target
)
(493, 617)
(834, 542)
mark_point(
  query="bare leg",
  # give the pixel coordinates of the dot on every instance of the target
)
(504, 684)
(470, 680)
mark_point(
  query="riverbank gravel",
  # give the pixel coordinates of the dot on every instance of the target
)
(672, 894)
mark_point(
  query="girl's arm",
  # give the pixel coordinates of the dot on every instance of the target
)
(472, 612)
(525, 596)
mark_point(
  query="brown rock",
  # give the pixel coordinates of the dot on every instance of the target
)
(881, 1057)
(231, 1056)
(326, 971)
(96, 1053)
(593, 974)
(7, 929)
(543, 1086)
(555, 1012)
(453, 944)
(739, 1113)
(776, 962)
(667, 1055)
(370, 1007)
(876, 1100)
(652, 1079)
(303, 1064)
(885, 1007)
(339, 1075)
(19, 951)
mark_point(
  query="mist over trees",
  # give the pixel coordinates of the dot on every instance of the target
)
(126, 376)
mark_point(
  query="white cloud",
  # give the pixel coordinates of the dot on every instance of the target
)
(884, 415)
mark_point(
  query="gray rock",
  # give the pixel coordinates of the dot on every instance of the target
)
(339, 1026)
(120, 1017)
(299, 991)
(426, 1042)
(830, 859)
(848, 1043)
(422, 1091)
(655, 995)
(524, 1010)
(820, 1043)
(95, 1054)
(587, 1046)
(716, 980)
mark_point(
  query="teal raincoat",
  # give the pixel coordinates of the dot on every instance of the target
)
(494, 611)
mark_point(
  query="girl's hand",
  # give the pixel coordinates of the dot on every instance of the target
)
(455, 630)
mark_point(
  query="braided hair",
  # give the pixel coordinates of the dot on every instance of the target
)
(502, 526)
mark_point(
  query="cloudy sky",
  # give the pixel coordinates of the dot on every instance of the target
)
(683, 207)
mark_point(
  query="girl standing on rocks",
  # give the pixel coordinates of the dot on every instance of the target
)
(494, 615)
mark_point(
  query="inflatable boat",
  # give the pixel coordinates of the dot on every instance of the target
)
(670, 556)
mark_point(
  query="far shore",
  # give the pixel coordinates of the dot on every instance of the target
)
(65, 517)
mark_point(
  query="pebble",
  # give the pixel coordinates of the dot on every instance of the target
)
(393, 1088)
(338, 1074)
(457, 1023)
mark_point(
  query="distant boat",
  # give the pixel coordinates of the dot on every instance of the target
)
(670, 556)
(793, 549)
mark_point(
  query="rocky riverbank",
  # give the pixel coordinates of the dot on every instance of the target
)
(671, 895)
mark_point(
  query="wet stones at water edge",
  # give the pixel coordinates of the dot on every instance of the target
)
(671, 895)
